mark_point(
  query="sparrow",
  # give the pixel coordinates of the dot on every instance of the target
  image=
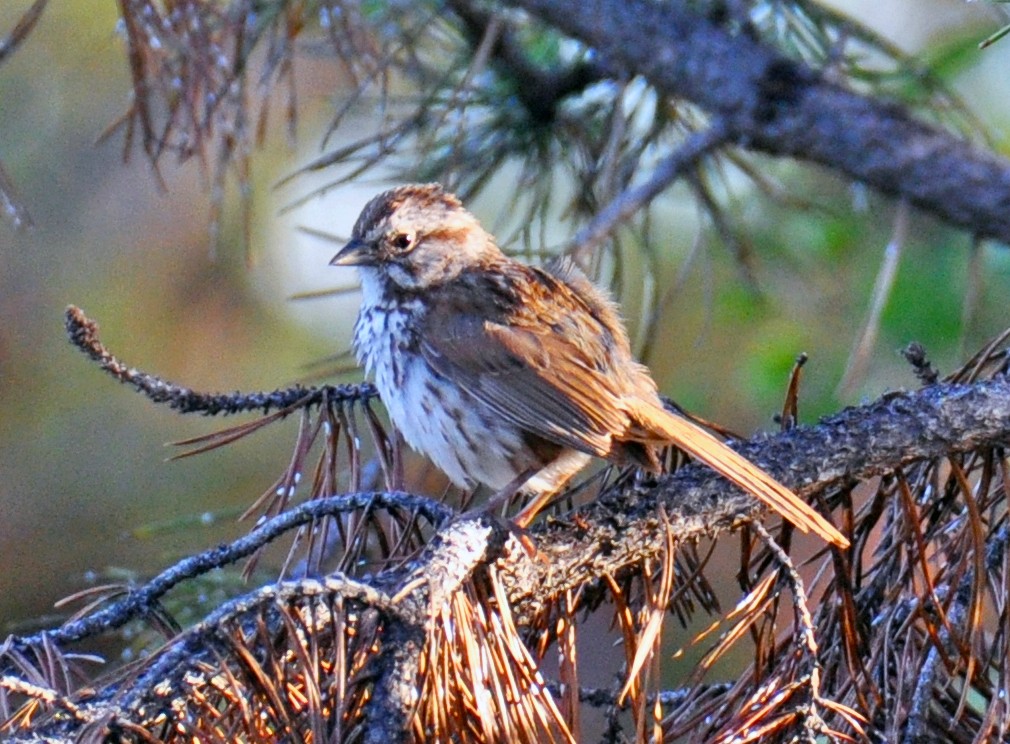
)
(511, 375)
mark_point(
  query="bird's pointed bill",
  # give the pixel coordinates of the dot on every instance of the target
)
(355, 253)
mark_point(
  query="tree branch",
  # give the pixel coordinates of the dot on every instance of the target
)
(608, 537)
(83, 333)
(622, 527)
(539, 89)
(451, 558)
(778, 106)
(139, 602)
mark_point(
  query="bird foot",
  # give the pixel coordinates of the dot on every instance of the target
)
(518, 526)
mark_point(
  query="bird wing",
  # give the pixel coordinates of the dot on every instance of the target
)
(552, 367)
(543, 366)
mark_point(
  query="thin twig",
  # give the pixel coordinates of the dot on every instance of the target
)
(915, 354)
(45, 695)
(83, 334)
(632, 199)
(22, 28)
(859, 357)
(11, 205)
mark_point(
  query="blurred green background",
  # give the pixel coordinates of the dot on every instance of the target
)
(84, 482)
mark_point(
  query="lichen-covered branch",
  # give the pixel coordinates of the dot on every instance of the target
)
(429, 617)
(83, 333)
(623, 527)
(139, 602)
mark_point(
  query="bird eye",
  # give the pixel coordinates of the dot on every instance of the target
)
(402, 241)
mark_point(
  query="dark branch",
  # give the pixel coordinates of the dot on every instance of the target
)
(607, 537)
(622, 527)
(22, 28)
(781, 107)
(446, 563)
(83, 334)
(538, 88)
(198, 641)
(140, 602)
(395, 688)
(11, 206)
(915, 354)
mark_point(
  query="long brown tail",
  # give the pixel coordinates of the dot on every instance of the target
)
(659, 424)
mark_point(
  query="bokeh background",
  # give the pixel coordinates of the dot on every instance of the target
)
(86, 493)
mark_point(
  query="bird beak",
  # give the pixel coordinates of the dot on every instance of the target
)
(355, 253)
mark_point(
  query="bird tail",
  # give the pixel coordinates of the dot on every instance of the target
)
(658, 424)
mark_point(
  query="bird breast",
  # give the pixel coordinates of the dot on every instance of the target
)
(460, 435)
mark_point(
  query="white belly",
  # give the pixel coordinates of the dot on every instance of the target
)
(461, 436)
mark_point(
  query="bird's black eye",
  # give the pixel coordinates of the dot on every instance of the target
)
(402, 242)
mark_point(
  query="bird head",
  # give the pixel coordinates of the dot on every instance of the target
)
(416, 236)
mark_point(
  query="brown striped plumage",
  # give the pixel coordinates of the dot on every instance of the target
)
(494, 368)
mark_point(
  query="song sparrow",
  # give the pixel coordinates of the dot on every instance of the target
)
(506, 374)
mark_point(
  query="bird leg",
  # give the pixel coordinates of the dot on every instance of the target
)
(505, 494)
(500, 498)
(529, 512)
